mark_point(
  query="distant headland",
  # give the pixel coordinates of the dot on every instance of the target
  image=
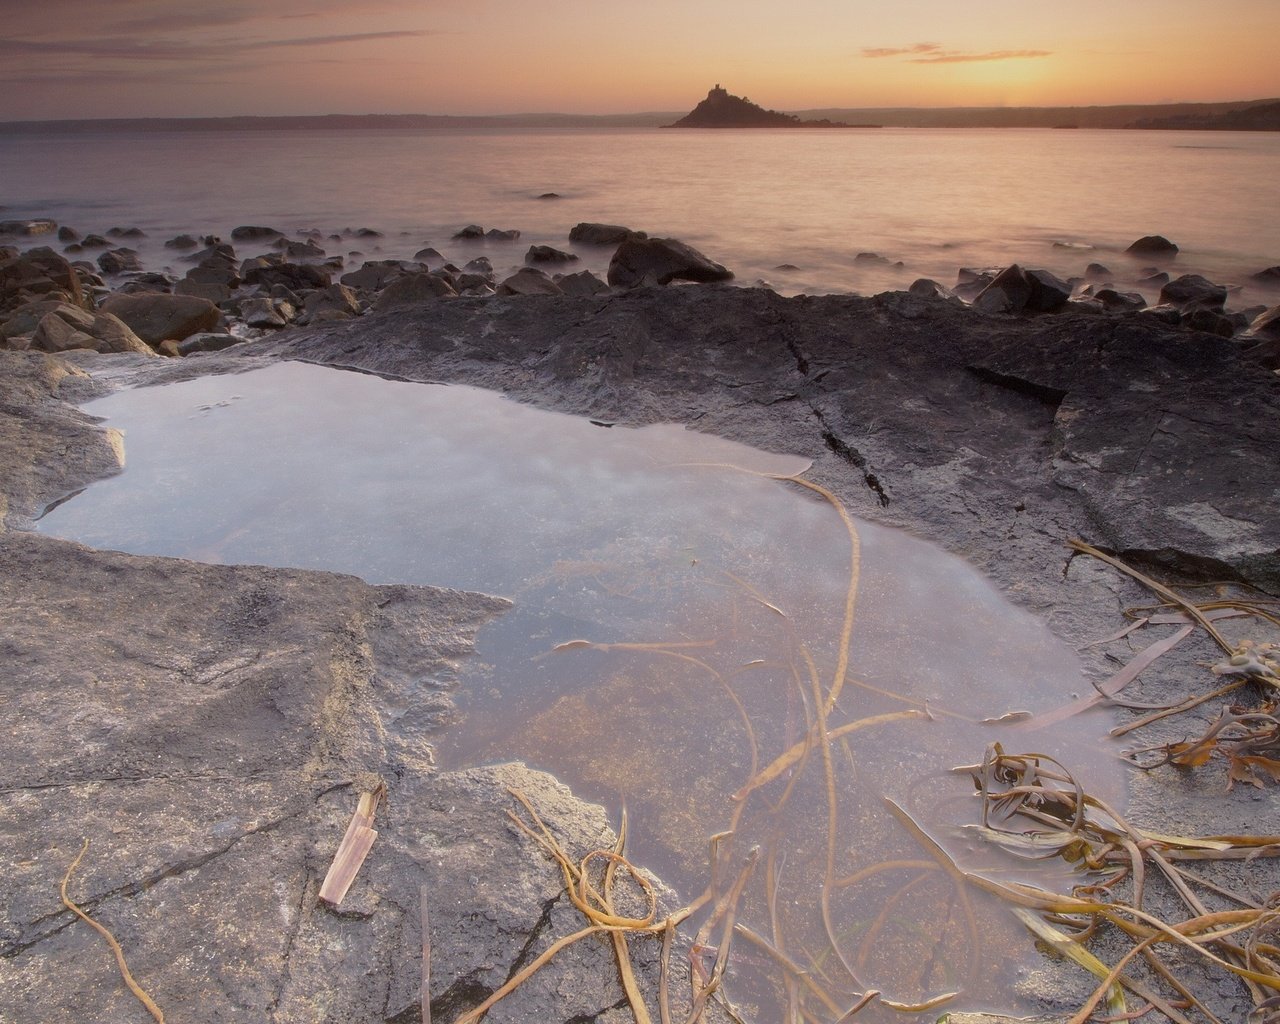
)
(721, 109)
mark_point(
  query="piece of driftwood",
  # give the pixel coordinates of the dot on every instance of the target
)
(352, 850)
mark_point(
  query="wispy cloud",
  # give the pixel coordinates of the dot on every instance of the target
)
(128, 48)
(962, 58)
(901, 51)
(933, 53)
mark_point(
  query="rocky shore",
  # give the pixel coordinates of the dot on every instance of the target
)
(210, 728)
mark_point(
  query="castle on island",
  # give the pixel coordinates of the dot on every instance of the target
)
(721, 109)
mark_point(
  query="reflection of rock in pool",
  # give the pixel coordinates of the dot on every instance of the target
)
(710, 603)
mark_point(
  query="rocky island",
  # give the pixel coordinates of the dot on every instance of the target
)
(721, 109)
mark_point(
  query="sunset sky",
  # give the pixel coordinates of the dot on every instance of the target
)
(136, 58)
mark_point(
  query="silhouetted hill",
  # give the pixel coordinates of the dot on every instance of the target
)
(721, 109)
(1259, 117)
(1122, 116)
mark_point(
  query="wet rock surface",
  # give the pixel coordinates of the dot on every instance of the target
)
(210, 727)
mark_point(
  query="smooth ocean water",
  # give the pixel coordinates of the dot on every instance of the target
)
(935, 199)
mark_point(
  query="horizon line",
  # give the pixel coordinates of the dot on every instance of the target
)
(619, 114)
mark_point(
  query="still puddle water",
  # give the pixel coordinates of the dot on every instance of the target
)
(680, 618)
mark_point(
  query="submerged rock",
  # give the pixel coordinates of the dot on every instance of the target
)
(27, 228)
(254, 233)
(118, 261)
(1153, 245)
(548, 254)
(660, 261)
(587, 233)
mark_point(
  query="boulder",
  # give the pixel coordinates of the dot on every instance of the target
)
(662, 260)
(27, 228)
(413, 289)
(1049, 293)
(181, 242)
(364, 233)
(602, 234)
(1008, 292)
(126, 233)
(1096, 272)
(95, 242)
(1117, 301)
(872, 257)
(296, 276)
(1191, 291)
(157, 318)
(1023, 291)
(548, 254)
(1157, 280)
(1153, 245)
(253, 233)
(1269, 276)
(66, 234)
(263, 312)
(214, 252)
(1265, 325)
(117, 261)
(39, 272)
(374, 275)
(114, 335)
(529, 281)
(1015, 290)
(211, 290)
(215, 271)
(146, 281)
(1210, 322)
(502, 235)
(69, 327)
(582, 283)
(53, 334)
(337, 302)
(929, 289)
(304, 250)
(471, 231)
(428, 256)
(206, 341)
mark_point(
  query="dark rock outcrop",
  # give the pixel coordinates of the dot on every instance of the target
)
(661, 261)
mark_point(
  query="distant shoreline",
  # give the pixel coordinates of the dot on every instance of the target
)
(1185, 116)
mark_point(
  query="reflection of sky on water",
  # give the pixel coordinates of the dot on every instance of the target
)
(616, 536)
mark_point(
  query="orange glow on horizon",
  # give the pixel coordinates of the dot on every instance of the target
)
(141, 58)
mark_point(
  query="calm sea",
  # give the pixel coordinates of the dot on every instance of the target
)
(934, 199)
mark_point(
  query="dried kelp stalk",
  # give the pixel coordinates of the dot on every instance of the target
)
(1034, 807)
(1246, 739)
(105, 932)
